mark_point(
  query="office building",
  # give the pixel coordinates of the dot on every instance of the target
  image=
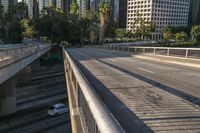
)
(194, 17)
(6, 3)
(84, 5)
(160, 12)
(30, 5)
(43, 4)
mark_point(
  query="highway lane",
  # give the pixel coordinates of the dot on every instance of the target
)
(33, 101)
(47, 85)
(157, 93)
(35, 121)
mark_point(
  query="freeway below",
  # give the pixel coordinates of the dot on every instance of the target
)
(143, 95)
(47, 87)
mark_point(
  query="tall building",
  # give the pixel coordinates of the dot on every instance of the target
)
(122, 13)
(194, 17)
(30, 5)
(43, 4)
(35, 9)
(59, 4)
(160, 12)
(84, 5)
(67, 6)
(94, 5)
(119, 12)
(6, 3)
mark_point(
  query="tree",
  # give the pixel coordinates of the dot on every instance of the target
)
(12, 26)
(181, 36)
(111, 29)
(28, 31)
(195, 32)
(104, 10)
(141, 28)
(167, 33)
(74, 8)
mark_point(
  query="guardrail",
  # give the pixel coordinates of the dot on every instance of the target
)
(10, 55)
(94, 115)
(192, 53)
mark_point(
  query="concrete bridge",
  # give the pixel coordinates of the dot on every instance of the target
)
(133, 89)
(15, 66)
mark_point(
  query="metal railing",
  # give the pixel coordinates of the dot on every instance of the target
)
(191, 53)
(94, 115)
(12, 54)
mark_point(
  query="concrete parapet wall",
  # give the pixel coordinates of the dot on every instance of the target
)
(17, 59)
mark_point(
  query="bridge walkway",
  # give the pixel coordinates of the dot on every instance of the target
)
(143, 95)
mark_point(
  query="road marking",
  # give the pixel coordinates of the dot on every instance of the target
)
(145, 70)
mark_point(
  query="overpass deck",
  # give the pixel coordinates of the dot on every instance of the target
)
(143, 95)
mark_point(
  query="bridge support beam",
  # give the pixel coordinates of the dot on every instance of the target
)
(8, 97)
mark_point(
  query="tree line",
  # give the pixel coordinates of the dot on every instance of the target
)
(54, 25)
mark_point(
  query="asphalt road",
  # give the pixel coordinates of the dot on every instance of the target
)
(146, 96)
(35, 121)
(33, 100)
(47, 85)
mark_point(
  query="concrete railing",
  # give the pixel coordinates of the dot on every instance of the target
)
(87, 105)
(12, 54)
(191, 53)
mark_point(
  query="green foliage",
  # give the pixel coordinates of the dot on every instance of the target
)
(104, 11)
(11, 30)
(181, 36)
(167, 33)
(129, 34)
(59, 27)
(195, 32)
(74, 8)
(142, 28)
(28, 31)
(121, 32)
(111, 29)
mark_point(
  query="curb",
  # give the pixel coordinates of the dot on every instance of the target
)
(167, 61)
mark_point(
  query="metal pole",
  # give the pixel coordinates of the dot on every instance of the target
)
(168, 52)
(186, 54)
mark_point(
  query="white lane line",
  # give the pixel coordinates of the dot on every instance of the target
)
(145, 70)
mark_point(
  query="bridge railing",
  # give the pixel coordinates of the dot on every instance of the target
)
(12, 54)
(94, 115)
(192, 53)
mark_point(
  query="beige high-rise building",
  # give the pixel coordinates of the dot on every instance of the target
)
(160, 12)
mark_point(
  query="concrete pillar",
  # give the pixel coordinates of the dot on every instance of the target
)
(35, 64)
(24, 76)
(8, 97)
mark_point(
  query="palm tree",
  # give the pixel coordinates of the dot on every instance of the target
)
(195, 32)
(74, 8)
(104, 10)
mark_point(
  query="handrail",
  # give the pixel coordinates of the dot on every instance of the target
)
(121, 45)
(188, 53)
(102, 116)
